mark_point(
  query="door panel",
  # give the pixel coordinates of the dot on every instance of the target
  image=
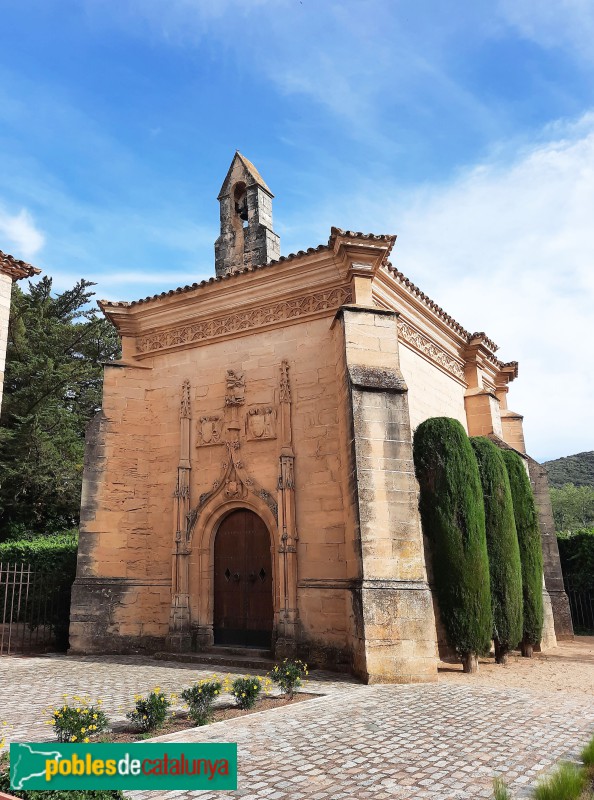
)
(243, 612)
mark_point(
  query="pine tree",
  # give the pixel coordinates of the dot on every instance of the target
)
(530, 544)
(502, 546)
(52, 387)
(453, 517)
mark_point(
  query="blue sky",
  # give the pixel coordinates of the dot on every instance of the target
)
(465, 128)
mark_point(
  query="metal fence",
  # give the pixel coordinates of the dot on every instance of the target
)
(581, 603)
(34, 610)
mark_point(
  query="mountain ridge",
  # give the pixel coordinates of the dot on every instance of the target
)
(577, 469)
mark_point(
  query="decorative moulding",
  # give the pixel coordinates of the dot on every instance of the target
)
(197, 333)
(435, 353)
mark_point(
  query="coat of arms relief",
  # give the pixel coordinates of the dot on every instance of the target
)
(260, 423)
(228, 428)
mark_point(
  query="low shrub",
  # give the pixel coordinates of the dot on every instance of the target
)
(77, 723)
(246, 691)
(200, 699)
(567, 783)
(289, 676)
(500, 790)
(587, 754)
(150, 712)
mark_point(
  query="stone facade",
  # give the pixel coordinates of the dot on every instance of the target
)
(11, 269)
(286, 389)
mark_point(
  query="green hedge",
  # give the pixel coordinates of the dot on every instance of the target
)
(55, 556)
(453, 516)
(530, 543)
(53, 553)
(576, 550)
(502, 546)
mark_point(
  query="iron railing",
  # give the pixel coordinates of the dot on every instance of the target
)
(34, 610)
(581, 603)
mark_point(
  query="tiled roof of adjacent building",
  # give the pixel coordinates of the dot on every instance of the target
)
(16, 268)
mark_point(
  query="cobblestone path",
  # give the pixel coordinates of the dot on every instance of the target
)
(440, 741)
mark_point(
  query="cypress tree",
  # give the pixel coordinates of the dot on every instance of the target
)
(453, 517)
(530, 550)
(502, 545)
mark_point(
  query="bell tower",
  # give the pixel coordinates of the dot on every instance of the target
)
(247, 238)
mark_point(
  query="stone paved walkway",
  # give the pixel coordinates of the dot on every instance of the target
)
(442, 741)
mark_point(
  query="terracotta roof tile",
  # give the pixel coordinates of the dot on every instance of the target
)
(16, 268)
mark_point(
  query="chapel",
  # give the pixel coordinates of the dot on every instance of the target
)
(249, 483)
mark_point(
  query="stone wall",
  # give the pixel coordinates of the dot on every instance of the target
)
(394, 626)
(122, 595)
(431, 392)
(5, 293)
(550, 551)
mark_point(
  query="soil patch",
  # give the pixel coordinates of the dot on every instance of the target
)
(567, 669)
(180, 721)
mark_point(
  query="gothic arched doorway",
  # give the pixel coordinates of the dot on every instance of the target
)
(243, 611)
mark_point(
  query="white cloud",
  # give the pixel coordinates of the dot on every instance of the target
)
(508, 248)
(553, 23)
(19, 234)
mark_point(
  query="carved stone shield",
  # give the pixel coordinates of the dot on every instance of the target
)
(206, 431)
(257, 425)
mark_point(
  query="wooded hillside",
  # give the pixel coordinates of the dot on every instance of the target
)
(577, 469)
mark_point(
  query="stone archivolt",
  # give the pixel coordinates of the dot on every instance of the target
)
(437, 354)
(197, 332)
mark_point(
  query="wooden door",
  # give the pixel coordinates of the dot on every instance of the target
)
(243, 611)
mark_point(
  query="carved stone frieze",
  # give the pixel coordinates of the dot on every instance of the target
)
(282, 311)
(422, 343)
(260, 423)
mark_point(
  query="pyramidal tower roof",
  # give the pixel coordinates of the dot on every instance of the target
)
(252, 175)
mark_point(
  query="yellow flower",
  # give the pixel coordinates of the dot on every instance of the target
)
(86, 740)
(94, 716)
(73, 739)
